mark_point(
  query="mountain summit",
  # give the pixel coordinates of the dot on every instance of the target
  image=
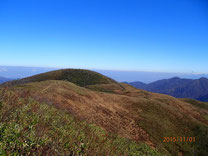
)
(79, 77)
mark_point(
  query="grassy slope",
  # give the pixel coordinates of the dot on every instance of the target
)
(134, 114)
(76, 76)
(203, 105)
(116, 108)
(163, 115)
(28, 127)
(109, 88)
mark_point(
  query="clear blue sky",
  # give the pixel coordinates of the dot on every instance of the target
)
(139, 35)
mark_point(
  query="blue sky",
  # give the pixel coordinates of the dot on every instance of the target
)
(134, 35)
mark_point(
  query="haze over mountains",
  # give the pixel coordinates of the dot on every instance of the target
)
(16, 72)
(120, 76)
(177, 87)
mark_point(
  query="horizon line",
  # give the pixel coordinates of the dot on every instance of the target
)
(118, 70)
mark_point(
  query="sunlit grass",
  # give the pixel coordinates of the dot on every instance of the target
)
(28, 127)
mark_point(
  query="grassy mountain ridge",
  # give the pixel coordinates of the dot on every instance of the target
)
(124, 111)
(77, 76)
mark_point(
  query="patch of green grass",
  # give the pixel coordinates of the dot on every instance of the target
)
(28, 127)
(205, 117)
(203, 105)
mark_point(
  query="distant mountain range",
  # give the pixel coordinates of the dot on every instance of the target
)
(3, 79)
(177, 87)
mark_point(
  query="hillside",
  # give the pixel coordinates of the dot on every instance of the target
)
(76, 76)
(177, 87)
(134, 122)
(203, 105)
(31, 128)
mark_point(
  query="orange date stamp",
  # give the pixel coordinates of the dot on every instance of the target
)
(179, 139)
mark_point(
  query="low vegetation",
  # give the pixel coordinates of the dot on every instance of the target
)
(28, 127)
(203, 105)
(162, 121)
(109, 88)
(78, 112)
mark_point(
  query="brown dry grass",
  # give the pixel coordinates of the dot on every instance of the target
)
(126, 111)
